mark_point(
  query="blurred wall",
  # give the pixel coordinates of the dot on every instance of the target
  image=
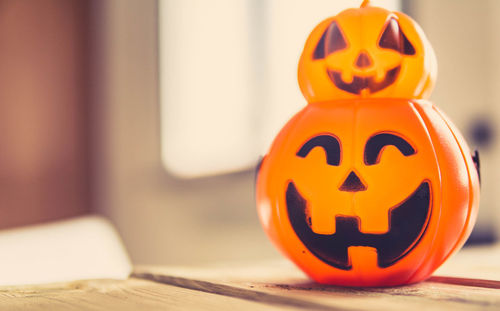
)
(43, 160)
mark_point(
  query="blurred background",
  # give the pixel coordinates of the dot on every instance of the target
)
(154, 113)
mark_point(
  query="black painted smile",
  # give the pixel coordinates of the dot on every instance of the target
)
(360, 83)
(407, 224)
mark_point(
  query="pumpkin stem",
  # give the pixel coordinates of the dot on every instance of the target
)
(365, 3)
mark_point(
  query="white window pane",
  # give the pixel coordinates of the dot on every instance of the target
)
(205, 91)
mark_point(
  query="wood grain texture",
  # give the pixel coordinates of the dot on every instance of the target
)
(466, 282)
(276, 289)
(133, 294)
(238, 292)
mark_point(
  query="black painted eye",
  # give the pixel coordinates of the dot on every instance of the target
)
(394, 38)
(331, 41)
(376, 143)
(330, 145)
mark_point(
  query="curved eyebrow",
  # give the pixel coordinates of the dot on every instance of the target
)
(330, 145)
(376, 143)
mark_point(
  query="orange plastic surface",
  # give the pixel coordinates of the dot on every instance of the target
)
(369, 184)
(361, 31)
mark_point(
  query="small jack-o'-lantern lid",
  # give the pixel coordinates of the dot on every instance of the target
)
(367, 52)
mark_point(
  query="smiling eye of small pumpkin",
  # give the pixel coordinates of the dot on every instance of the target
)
(330, 145)
(394, 38)
(331, 41)
(376, 144)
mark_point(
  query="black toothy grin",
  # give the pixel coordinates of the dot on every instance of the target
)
(360, 83)
(407, 224)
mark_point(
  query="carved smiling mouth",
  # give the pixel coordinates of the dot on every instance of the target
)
(360, 83)
(407, 224)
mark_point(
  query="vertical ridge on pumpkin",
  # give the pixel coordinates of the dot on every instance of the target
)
(424, 268)
(473, 182)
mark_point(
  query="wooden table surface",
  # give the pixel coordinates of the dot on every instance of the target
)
(468, 281)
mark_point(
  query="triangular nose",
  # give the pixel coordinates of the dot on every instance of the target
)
(363, 60)
(352, 183)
